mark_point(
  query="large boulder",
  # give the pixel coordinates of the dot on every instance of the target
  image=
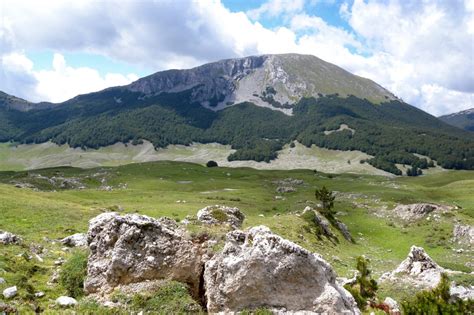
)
(221, 215)
(260, 269)
(134, 248)
(7, 238)
(417, 269)
(418, 211)
(463, 234)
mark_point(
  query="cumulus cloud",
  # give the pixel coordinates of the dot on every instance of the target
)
(420, 50)
(58, 84)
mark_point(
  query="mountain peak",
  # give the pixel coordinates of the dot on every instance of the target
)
(275, 81)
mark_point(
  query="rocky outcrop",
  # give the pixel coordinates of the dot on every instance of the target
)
(320, 221)
(221, 215)
(418, 211)
(461, 293)
(345, 231)
(135, 248)
(260, 269)
(417, 269)
(463, 234)
(7, 238)
(75, 240)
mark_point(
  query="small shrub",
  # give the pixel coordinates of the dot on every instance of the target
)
(211, 164)
(365, 288)
(437, 301)
(73, 273)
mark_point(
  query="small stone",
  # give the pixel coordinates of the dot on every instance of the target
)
(66, 301)
(7, 238)
(2, 281)
(39, 294)
(10, 292)
(75, 240)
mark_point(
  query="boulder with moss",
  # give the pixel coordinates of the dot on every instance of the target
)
(221, 215)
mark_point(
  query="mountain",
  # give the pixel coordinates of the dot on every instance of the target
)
(275, 81)
(463, 119)
(256, 104)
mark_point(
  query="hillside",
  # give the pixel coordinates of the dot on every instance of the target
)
(463, 119)
(298, 98)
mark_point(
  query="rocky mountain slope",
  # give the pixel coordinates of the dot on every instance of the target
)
(275, 81)
(463, 119)
(256, 105)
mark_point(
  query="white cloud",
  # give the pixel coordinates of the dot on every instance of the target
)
(58, 84)
(275, 8)
(405, 46)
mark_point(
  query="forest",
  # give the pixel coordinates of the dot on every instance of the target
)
(391, 132)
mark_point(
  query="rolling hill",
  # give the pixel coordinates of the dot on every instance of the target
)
(256, 105)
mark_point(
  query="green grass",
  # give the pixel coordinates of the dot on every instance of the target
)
(155, 188)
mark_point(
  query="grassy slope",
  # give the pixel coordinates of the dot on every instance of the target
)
(154, 189)
(33, 156)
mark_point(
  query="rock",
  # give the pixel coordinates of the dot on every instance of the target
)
(461, 293)
(120, 247)
(54, 277)
(260, 269)
(418, 269)
(75, 240)
(320, 221)
(393, 305)
(7, 238)
(221, 214)
(285, 189)
(463, 234)
(7, 309)
(2, 281)
(289, 182)
(39, 294)
(417, 211)
(10, 292)
(66, 301)
(344, 230)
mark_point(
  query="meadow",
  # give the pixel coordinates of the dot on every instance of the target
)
(46, 211)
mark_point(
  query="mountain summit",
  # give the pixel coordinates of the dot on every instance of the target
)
(274, 81)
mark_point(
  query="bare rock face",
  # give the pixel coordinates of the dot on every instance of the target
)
(7, 238)
(75, 240)
(134, 248)
(260, 269)
(221, 214)
(418, 269)
(463, 234)
(418, 211)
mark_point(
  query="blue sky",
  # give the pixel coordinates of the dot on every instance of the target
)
(420, 50)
